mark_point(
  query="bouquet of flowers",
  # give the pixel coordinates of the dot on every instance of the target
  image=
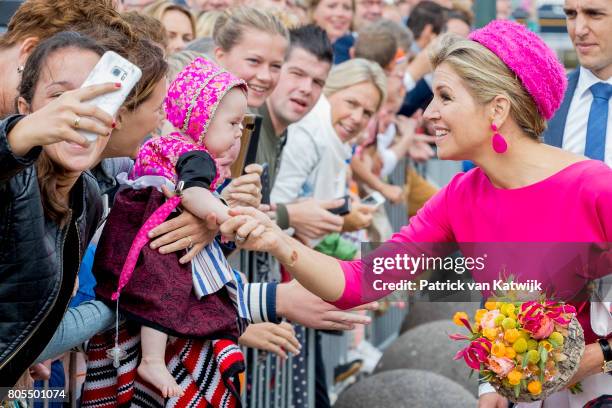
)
(526, 350)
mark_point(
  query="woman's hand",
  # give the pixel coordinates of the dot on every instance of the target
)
(360, 217)
(184, 232)
(492, 400)
(591, 363)
(245, 191)
(259, 232)
(276, 338)
(59, 120)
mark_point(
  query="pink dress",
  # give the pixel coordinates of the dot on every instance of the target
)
(573, 205)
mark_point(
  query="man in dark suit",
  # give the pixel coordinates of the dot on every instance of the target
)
(583, 124)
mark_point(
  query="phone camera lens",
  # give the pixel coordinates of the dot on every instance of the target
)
(116, 72)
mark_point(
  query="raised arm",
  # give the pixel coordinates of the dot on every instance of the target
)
(332, 280)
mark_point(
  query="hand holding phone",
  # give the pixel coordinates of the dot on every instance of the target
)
(344, 209)
(111, 68)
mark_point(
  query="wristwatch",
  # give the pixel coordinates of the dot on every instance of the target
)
(607, 353)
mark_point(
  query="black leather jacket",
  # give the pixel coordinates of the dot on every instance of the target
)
(39, 261)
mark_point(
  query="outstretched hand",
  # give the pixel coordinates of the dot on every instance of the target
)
(251, 229)
(297, 304)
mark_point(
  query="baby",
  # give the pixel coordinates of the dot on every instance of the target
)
(207, 106)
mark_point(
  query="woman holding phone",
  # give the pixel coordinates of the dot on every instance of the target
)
(50, 207)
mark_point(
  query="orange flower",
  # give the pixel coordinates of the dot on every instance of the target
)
(500, 365)
(514, 377)
(478, 315)
(534, 387)
(510, 353)
(458, 316)
(498, 350)
(546, 345)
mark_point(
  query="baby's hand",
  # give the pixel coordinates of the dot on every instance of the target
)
(185, 232)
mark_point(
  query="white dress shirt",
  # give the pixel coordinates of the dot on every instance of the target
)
(574, 136)
(314, 161)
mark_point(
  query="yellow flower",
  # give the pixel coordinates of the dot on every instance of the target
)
(498, 350)
(511, 335)
(514, 377)
(520, 345)
(508, 309)
(534, 387)
(547, 346)
(458, 316)
(532, 344)
(489, 305)
(479, 314)
(510, 353)
(490, 334)
(557, 338)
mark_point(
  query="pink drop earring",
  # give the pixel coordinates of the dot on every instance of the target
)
(499, 143)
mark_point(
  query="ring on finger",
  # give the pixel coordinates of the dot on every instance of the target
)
(240, 239)
(77, 122)
(190, 242)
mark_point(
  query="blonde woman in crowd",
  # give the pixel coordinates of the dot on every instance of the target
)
(251, 44)
(177, 20)
(315, 160)
(334, 16)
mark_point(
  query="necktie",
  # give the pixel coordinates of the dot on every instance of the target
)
(598, 121)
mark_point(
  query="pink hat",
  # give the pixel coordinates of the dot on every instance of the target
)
(190, 104)
(530, 59)
(194, 95)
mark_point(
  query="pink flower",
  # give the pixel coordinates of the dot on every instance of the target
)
(500, 365)
(475, 353)
(488, 319)
(546, 327)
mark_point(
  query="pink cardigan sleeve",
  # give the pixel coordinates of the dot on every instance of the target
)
(430, 224)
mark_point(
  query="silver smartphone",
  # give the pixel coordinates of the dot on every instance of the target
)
(112, 67)
(375, 199)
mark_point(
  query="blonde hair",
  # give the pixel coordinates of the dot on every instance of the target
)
(230, 26)
(160, 7)
(356, 71)
(206, 23)
(486, 76)
(464, 7)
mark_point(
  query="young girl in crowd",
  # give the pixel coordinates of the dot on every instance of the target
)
(207, 105)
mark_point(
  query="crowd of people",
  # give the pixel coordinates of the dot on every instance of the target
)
(118, 248)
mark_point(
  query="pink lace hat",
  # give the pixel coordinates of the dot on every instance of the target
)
(191, 103)
(533, 62)
(195, 94)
